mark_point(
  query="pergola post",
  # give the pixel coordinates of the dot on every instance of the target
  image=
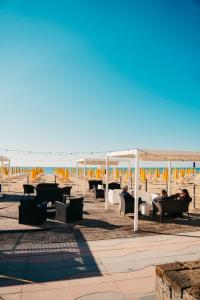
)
(129, 170)
(8, 175)
(114, 173)
(107, 180)
(136, 190)
(2, 171)
(84, 174)
(169, 177)
(76, 176)
(194, 192)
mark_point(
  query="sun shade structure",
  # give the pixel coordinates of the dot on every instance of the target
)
(148, 155)
(4, 159)
(156, 155)
(5, 162)
(84, 162)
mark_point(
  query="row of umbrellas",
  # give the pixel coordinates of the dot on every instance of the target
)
(117, 173)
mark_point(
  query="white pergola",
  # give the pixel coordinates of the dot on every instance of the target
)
(148, 155)
(84, 162)
(5, 162)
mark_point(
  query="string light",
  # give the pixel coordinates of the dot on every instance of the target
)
(51, 152)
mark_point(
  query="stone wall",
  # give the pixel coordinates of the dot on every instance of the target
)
(178, 281)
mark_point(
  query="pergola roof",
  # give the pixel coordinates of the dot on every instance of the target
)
(4, 158)
(97, 162)
(156, 155)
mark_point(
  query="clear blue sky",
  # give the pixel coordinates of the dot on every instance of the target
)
(97, 75)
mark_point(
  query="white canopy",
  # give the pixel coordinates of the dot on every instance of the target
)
(157, 155)
(92, 162)
(96, 162)
(4, 159)
(148, 155)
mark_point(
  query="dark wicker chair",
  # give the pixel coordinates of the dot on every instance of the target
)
(174, 208)
(28, 189)
(66, 190)
(113, 186)
(128, 204)
(94, 183)
(49, 192)
(31, 212)
(70, 212)
(99, 193)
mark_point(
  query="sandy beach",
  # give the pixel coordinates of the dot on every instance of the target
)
(96, 218)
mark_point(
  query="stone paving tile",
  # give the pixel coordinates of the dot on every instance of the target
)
(91, 279)
(45, 286)
(45, 262)
(85, 271)
(77, 261)
(78, 291)
(11, 284)
(10, 265)
(103, 296)
(143, 273)
(62, 293)
(12, 297)
(147, 255)
(137, 287)
(46, 275)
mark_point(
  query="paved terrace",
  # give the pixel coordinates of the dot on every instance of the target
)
(104, 269)
(98, 258)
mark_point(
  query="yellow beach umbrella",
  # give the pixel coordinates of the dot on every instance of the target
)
(165, 175)
(157, 173)
(176, 174)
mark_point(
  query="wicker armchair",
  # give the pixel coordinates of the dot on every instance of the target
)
(28, 189)
(49, 192)
(70, 212)
(66, 190)
(99, 193)
(94, 183)
(128, 204)
(31, 211)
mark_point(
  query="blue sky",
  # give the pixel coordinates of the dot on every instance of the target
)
(99, 75)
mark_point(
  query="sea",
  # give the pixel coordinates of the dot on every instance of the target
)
(50, 170)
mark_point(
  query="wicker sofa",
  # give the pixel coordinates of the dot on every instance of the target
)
(174, 208)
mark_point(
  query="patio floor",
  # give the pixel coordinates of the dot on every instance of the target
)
(97, 223)
(108, 269)
(98, 258)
